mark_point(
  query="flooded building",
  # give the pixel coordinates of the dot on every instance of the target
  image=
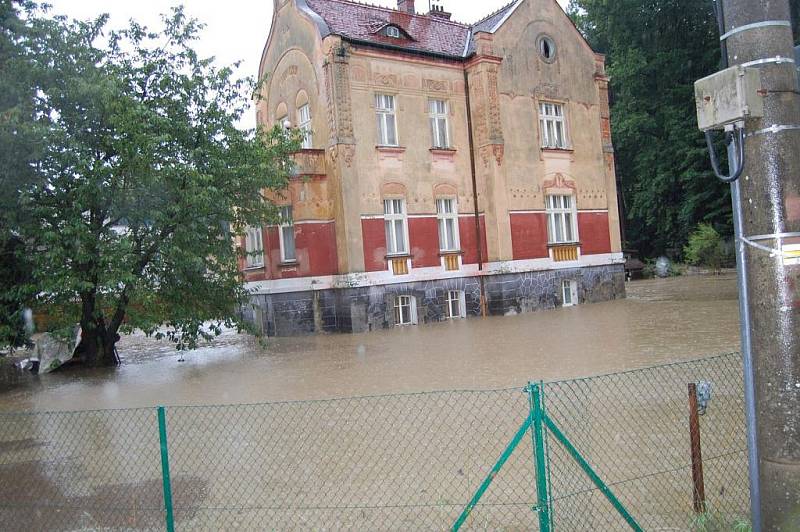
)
(448, 169)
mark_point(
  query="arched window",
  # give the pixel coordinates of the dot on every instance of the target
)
(303, 107)
(304, 124)
(281, 115)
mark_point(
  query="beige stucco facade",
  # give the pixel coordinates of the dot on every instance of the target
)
(495, 153)
(507, 81)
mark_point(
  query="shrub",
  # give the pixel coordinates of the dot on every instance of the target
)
(706, 248)
(713, 521)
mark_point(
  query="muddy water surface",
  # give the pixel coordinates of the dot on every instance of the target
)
(661, 320)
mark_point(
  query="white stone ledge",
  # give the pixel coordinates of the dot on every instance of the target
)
(415, 275)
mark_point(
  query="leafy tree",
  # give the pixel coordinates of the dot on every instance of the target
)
(18, 134)
(706, 248)
(18, 147)
(656, 50)
(144, 182)
(13, 277)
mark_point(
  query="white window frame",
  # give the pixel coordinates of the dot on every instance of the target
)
(281, 122)
(386, 112)
(553, 126)
(401, 302)
(254, 247)
(569, 293)
(393, 31)
(394, 216)
(562, 219)
(440, 125)
(458, 299)
(442, 217)
(287, 225)
(304, 124)
(547, 48)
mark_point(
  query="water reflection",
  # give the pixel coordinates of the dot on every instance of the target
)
(662, 320)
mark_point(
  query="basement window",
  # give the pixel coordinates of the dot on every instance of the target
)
(456, 306)
(569, 293)
(405, 310)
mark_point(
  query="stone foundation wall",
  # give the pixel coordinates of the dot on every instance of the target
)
(363, 309)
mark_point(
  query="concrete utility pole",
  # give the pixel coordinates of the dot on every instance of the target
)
(759, 35)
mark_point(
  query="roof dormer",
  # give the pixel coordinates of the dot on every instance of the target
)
(394, 31)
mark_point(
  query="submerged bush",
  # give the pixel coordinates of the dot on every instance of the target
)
(707, 248)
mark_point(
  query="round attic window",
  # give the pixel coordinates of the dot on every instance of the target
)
(547, 48)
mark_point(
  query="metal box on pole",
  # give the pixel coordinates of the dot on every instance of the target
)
(728, 97)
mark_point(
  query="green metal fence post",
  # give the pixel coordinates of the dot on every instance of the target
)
(493, 473)
(593, 476)
(162, 438)
(540, 457)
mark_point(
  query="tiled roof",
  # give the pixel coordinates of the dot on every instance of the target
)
(429, 34)
(488, 23)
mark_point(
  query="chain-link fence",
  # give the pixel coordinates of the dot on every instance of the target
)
(633, 428)
(400, 462)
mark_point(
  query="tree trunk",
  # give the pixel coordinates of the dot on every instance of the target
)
(99, 349)
(97, 341)
(109, 354)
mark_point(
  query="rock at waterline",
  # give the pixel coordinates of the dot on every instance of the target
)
(52, 352)
(662, 267)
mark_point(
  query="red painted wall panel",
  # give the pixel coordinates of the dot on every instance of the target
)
(316, 249)
(466, 227)
(272, 253)
(423, 234)
(374, 239)
(529, 235)
(593, 232)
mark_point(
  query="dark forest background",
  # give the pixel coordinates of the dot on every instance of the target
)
(656, 50)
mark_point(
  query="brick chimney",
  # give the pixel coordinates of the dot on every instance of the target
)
(438, 11)
(406, 5)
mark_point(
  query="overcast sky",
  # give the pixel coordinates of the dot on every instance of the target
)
(235, 29)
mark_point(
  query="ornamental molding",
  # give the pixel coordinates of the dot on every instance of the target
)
(291, 70)
(384, 80)
(559, 181)
(435, 85)
(393, 190)
(547, 90)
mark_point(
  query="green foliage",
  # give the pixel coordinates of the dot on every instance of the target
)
(19, 134)
(142, 181)
(14, 276)
(716, 522)
(656, 51)
(706, 248)
(18, 148)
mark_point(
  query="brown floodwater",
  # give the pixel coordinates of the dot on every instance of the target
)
(662, 320)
